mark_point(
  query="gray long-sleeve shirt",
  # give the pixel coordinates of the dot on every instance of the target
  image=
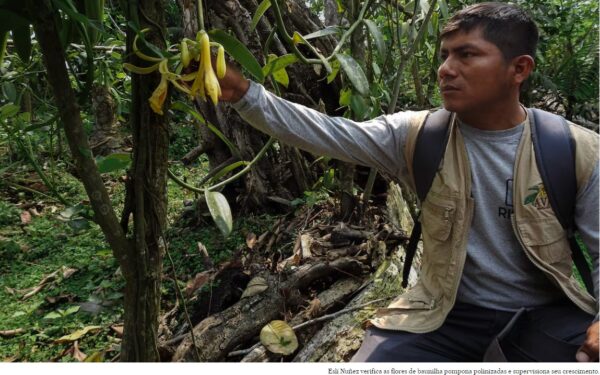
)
(497, 273)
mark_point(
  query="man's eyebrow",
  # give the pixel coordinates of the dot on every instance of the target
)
(459, 48)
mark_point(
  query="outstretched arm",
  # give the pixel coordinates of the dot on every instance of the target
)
(377, 143)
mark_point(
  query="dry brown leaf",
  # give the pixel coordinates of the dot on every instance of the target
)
(68, 272)
(251, 240)
(33, 292)
(197, 282)
(12, 332)
(34, 212)
(262, 237)
(78, 354)
(77, 334)
(255, 286)
(48, 278)
(314, 309)
(95, 357)
(10, 291)
(118, 329)
(11, 359)
(306, 241)
(25, 217)
(278, 337)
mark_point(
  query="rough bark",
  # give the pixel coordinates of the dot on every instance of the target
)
(147, 198)
(104, 139)
(332, 17)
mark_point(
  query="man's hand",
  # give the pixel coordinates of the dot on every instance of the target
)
(589, 350)
(233, 86)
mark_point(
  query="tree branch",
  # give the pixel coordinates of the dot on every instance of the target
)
(54, 60)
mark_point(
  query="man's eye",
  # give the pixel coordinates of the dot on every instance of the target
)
(467, 54)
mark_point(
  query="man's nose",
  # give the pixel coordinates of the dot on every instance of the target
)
(446, 69)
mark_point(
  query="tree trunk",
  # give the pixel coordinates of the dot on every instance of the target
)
(104, 139)
(146, 200)
(141, 263)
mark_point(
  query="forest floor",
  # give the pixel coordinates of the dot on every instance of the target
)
(60, 286)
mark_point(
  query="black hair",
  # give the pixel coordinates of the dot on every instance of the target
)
(507, 26)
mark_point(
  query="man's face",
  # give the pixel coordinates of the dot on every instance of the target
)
(473, 75)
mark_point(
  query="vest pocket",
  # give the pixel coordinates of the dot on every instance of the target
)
(437, 219)
(548, 239)
(416, 298)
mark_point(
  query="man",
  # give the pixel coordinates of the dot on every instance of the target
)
(488, 251)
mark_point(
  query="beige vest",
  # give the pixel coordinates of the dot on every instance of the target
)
(446, 215)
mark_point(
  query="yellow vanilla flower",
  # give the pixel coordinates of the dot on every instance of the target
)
(185, 54)
(159, 95)
(206, 83)
(211, 84)
(221, 67)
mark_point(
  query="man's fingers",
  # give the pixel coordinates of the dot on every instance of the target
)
(589, 350)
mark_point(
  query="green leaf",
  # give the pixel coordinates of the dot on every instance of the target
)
(278, 63)
(9, 91)
(335, 69)
(113, 162)
(330, 30)
(71, 310)
(239, 52)
(282, 77)
(52, 315)
(276, 66)
(22, 39)
(8, 110)
(260, 11)
(69, 8)
(377, 36)
(228, 169)
(444, 8)
(345, 95)
(354, 73)
(220, 211)
(359, 106)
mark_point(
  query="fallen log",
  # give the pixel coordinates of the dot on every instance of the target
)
(324, 302)
(341, 337)
(221, 333)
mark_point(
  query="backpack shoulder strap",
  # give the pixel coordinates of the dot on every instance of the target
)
(554, 150)
(429, 150)
(428, 153)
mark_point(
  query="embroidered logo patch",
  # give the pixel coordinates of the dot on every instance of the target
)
(538, 197)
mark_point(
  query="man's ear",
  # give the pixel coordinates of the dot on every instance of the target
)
(523, 66)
